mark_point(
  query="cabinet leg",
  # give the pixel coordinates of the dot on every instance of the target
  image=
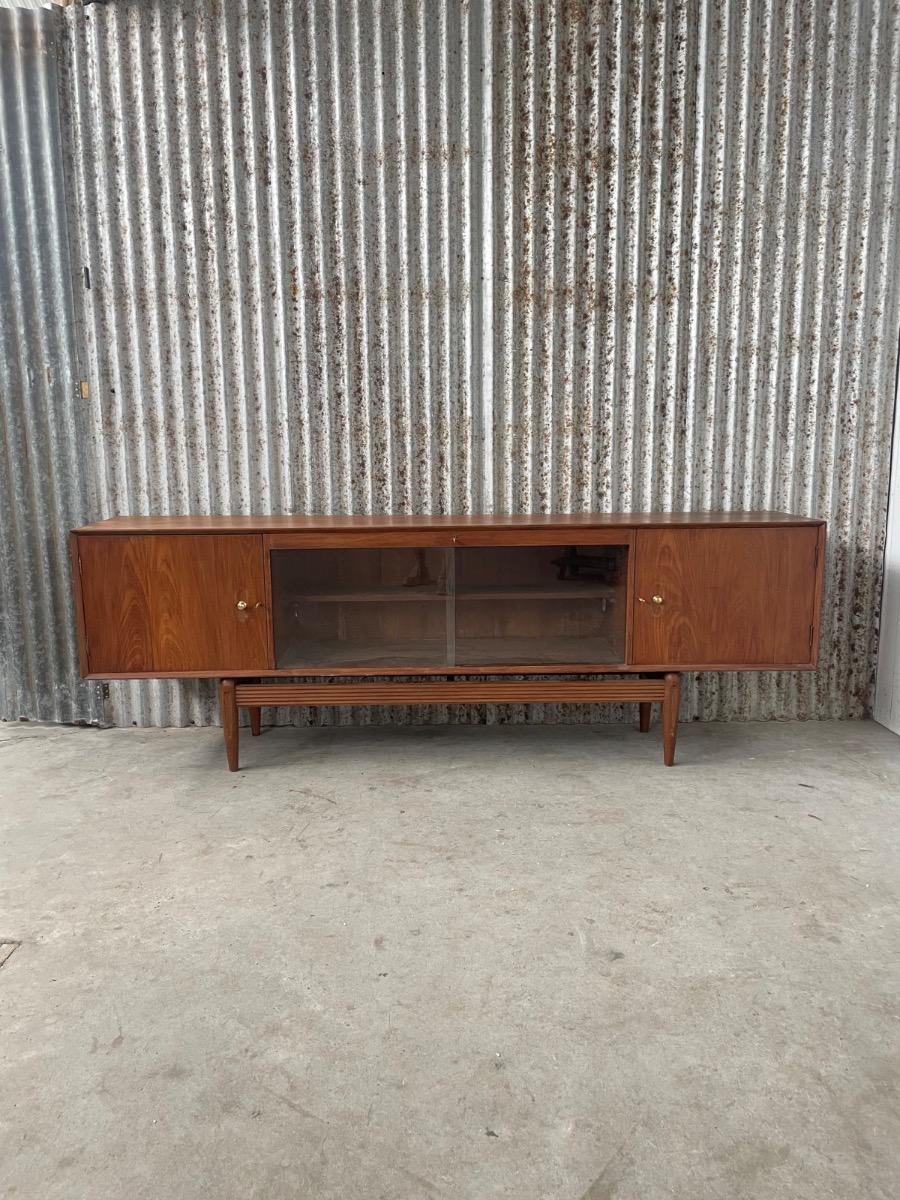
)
(644, 718)
(229, 713)
(670, 717)
(255, 721)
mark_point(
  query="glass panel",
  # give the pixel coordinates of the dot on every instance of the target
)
(361, 608)
(540, 605)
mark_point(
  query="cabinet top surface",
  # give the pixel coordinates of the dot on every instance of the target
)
(562, 521)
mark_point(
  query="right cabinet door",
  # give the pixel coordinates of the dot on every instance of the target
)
(725, 597)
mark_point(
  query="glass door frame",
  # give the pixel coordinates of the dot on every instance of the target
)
(451, 538)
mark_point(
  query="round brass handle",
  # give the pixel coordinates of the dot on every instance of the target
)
(241, 604)
(657, 599)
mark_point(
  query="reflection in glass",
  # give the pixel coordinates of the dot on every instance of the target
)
(431, 607)
(365, 608)
(540, 605)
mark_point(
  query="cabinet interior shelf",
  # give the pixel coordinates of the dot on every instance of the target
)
(433, 652)
(579, 591)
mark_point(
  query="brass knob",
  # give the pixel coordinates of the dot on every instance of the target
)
(242, 604)
(657, 599)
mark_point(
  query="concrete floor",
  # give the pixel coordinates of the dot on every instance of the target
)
(462, 962)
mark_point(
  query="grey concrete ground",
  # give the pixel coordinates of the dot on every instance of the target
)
(464, 963)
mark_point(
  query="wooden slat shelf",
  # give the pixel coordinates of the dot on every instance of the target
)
(465, 691)
(645, 691)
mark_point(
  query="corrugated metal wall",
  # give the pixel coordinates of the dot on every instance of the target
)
(449, 256)
(43, 483)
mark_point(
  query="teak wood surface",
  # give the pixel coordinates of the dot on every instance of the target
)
(740, 591)
(192, 597)
(718, 587)
(172, 608)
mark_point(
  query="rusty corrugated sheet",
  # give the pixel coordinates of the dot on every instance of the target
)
(43, 486)
(445, 256)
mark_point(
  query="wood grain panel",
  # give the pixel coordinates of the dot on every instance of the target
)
(795, 622)
(115, 589)
(730, 597)
(159, 604)
(197, 582)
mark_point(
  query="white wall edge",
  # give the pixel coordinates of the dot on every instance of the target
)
(887, 679)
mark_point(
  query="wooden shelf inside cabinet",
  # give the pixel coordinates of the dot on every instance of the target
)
(389, 595)
(598, 653)
(535, 651)
(578, 591)
(386, 595)
(346, 653)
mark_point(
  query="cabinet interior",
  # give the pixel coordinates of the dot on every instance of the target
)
(454, 606)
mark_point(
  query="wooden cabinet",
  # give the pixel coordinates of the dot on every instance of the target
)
(463, 601)
(157, 604)
(725, 597)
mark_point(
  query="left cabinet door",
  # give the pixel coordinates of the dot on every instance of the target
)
(173, 603)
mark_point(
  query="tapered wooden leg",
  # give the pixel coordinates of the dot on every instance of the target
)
(255, 721)
(229, 712)
(644, 718)
(670, 717)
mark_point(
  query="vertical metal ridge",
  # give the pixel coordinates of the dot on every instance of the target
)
(466, 435)
(609, 155)
(504, 108)
(683, 485)
(746, 193)
(358, 307)
(644, 485)
(314, 289)
(444, 433)
(329, 81)
(582, 278)
(420, 285)
(669, 437)
(523, 165)
(628, 417)
(561, 399)
(402, 376)
(382, 467)
(546, 218)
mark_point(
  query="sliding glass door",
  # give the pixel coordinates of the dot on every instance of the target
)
(432, 607)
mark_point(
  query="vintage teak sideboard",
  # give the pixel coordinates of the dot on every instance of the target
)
(480, 609)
